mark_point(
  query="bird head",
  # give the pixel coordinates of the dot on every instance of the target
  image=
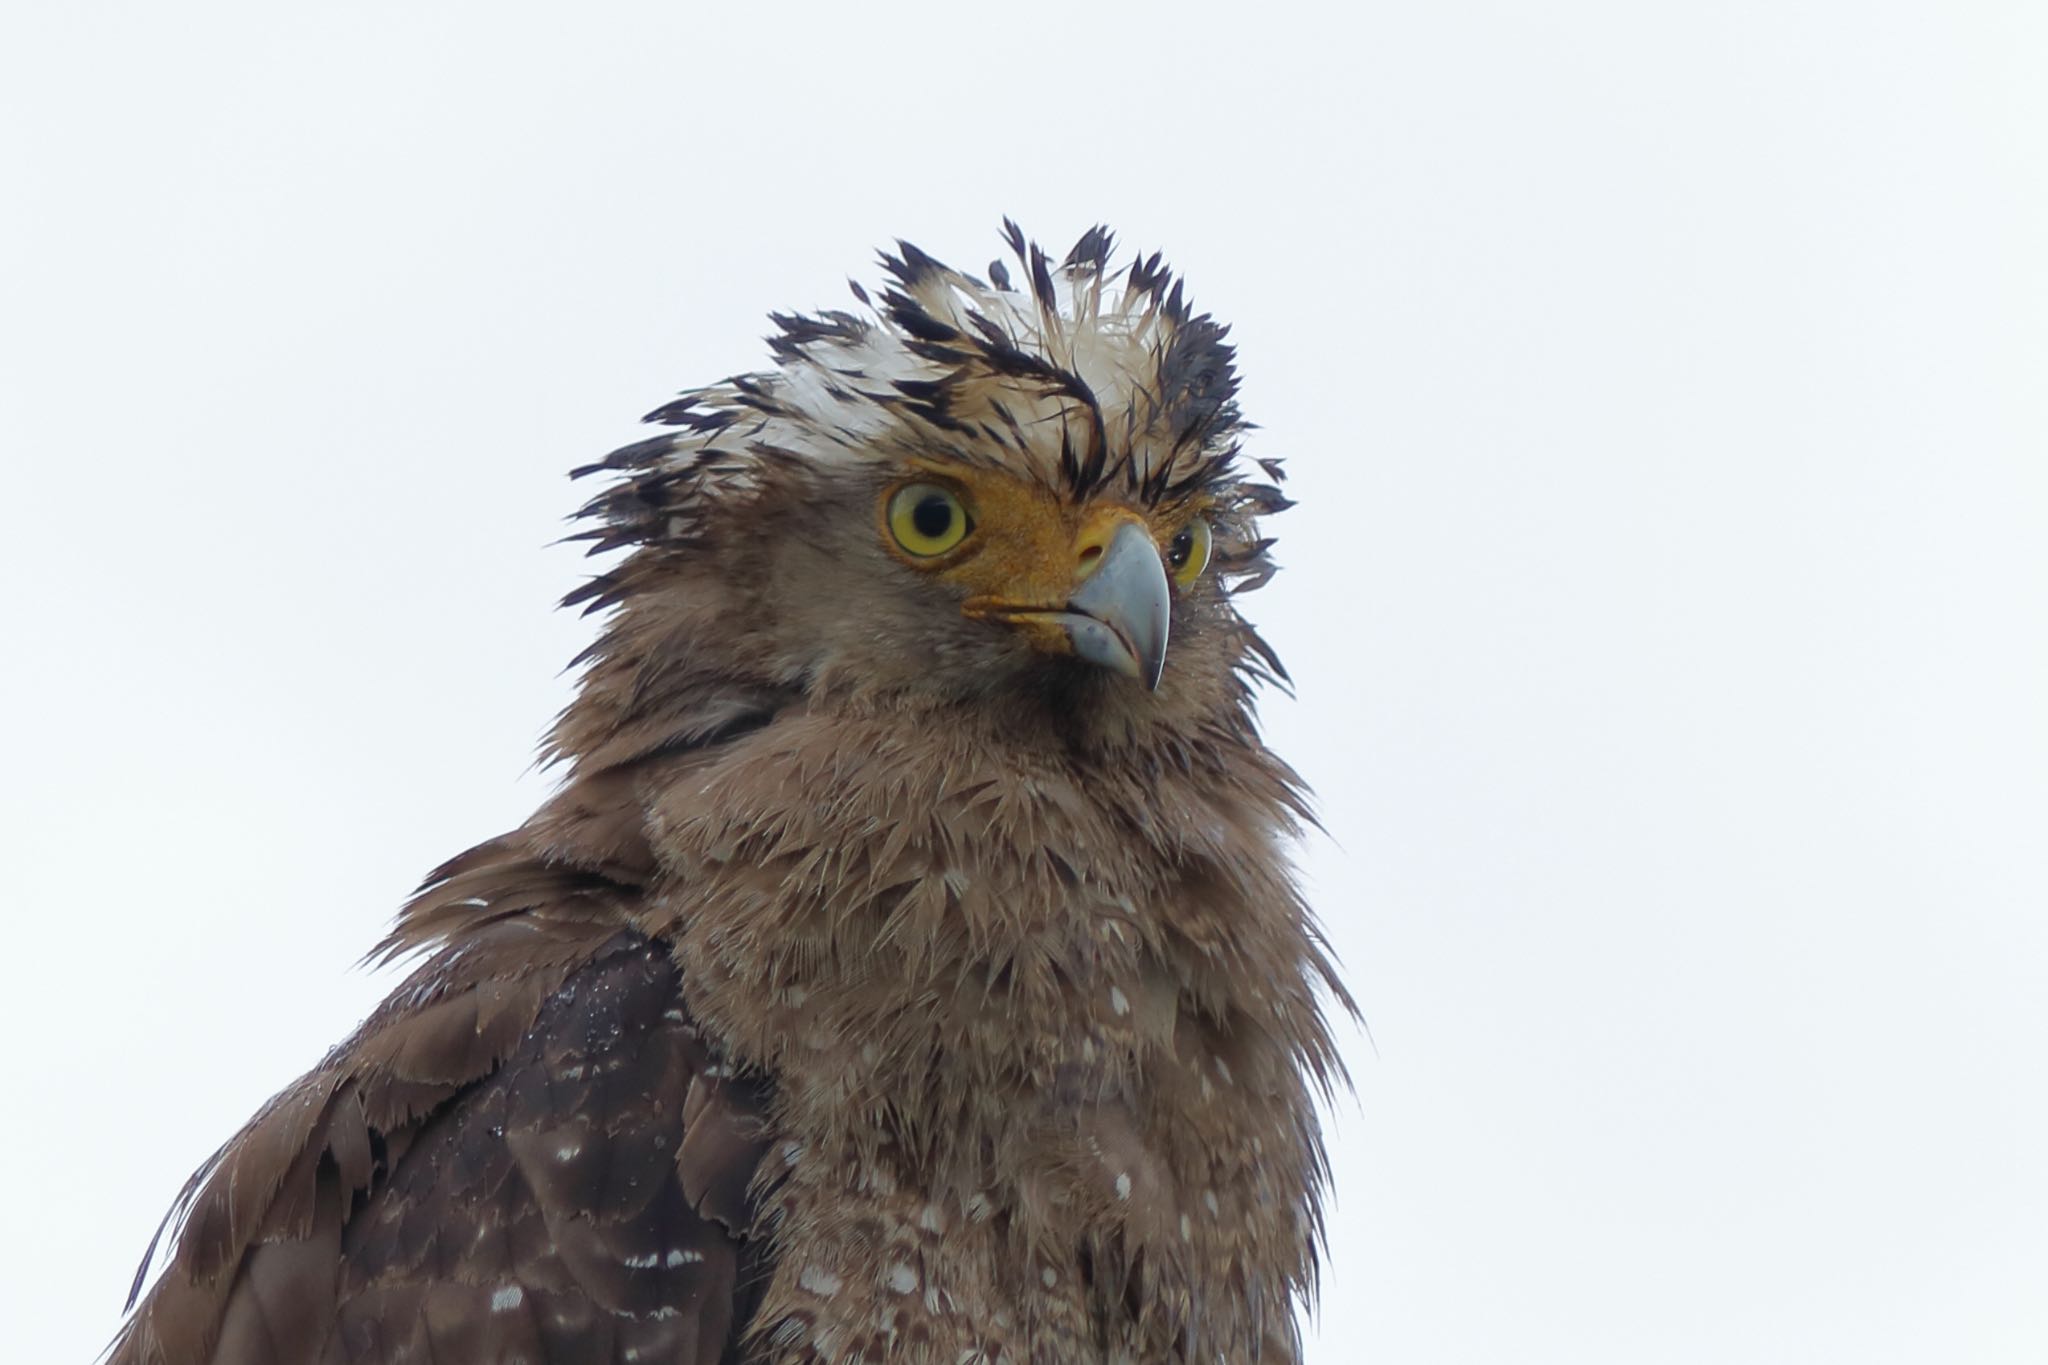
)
(1029, 493)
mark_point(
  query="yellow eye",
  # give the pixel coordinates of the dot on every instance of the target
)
(1187, 554)
(926, 519)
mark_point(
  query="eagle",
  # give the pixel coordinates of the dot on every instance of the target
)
(909, 966)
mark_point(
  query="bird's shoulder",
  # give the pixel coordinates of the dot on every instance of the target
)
(529, 1150)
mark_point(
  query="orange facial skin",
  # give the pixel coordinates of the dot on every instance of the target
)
(1029, 548)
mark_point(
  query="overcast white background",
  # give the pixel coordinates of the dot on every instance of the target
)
(1666, 393)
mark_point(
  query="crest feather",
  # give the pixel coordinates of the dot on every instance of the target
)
(1093, 380)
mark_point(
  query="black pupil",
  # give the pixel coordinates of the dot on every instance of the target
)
(933, 516)
(1183, 545)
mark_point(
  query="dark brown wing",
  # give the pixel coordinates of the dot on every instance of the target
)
(528, 1152)
(549, 1216)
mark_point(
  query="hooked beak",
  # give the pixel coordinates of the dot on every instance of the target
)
(1120, 615)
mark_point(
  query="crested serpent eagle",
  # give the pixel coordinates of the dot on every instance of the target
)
(908, 967)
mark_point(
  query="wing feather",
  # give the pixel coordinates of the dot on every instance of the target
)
(528, 1152)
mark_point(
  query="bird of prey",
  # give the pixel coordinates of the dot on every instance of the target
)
(909, 966)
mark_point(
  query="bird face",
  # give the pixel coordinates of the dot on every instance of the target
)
(1095, 581)
(1031, 498)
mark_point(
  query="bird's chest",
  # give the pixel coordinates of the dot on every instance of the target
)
(956, 941)
(1037, 1151)
(1020, 1107)
(1110, 1220)
(1081, 1210)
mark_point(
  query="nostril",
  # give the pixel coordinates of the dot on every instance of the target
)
(1090, 557)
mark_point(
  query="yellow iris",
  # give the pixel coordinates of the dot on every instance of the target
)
(926, 519)
(1187, 554)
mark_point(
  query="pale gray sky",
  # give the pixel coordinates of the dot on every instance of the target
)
(1666, 393)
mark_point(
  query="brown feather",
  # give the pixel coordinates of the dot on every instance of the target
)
(876, 988)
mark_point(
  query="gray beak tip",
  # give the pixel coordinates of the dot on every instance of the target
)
(1123, 611)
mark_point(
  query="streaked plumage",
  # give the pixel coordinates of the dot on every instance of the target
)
(896, 975)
